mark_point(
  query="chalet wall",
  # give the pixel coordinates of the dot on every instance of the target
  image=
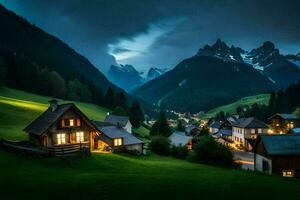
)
(286, 163)
(258, 162)
(138, 147)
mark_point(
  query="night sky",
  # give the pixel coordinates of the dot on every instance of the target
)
(157, 33)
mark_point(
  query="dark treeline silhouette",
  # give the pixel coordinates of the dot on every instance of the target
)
(283, 101)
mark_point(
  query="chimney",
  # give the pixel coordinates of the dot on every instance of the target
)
(53, 104)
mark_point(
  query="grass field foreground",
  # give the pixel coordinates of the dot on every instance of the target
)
(111, 176)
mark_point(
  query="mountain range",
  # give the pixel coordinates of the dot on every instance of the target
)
(219, 74)
(128, 78)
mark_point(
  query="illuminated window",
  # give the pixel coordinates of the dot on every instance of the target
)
(61, 138)
(253, 131)
(117, 141)
(71, 122)
(292, 125)
(259, 130)
(288, 173)
(79, 136)
(277, 124)
(78, 122)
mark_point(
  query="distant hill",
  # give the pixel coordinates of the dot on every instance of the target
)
(29, 51)
(245, 101)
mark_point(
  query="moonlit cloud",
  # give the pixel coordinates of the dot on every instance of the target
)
(125, 49)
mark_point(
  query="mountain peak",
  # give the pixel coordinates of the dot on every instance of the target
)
(269, 46)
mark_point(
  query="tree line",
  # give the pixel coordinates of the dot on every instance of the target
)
(282, 101)
(18, 72)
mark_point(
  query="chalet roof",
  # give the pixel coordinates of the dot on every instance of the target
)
(215, 124)
(179, 138)
(296, 130)
(117, 120)
(281, 144)
(41, 124)
(101, 124)
(116, 132)
(290, 116)
(250, 122)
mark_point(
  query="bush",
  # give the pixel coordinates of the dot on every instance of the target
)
(133, 152)
(210, 151)
(160, 145)
(180, 152)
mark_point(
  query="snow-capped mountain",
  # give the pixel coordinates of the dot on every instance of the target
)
(154, 73)
(294, 59)
(125, 76)
(222, 51)
(266, 59)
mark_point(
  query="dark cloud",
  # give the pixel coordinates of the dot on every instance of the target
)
(91, 26)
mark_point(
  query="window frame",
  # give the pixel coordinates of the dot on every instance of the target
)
(79, 136)
(118, 142)
(61, 138)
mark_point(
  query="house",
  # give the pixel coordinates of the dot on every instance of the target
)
(278, 154)
(192, 130)
(214, 127)
(181, 139)
(115, 138)
(121, 121)
(62, 129)
(283, 123)
(245, 131)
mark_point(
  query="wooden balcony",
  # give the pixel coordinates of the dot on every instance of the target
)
(68, 149)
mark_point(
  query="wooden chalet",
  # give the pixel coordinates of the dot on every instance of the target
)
(62, 129)
(278, 154)
(281, 123)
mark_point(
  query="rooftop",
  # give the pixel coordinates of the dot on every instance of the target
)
(179, 138)
(281, 144)
(117, 120)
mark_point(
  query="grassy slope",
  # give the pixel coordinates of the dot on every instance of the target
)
(231, 108)
(109, 176)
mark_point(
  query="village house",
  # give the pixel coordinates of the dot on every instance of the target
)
(214, 127)
(278, 154)
(115, 138)
(181, 139)
(192, 130)
(121, 121)
(282, 123)
(246, 130)
(64, 129)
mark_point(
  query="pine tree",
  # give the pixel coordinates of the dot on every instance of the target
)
(119, 111)
(109, 99)
(180, 126)
(136, 115)
(121, 100)
(161, 126)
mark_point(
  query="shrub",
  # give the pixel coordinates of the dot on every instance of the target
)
(180, 152)
(210, 151)
(160, 145)
(133, 152)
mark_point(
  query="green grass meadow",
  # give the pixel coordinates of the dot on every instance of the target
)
(246, 101)
(112, 176)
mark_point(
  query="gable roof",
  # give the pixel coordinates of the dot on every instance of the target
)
(215, 124)
(41, 124)
(117, 120)
(250, 122)
(281, 144)
(179, 138)
(116, 132)
(290, 116)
